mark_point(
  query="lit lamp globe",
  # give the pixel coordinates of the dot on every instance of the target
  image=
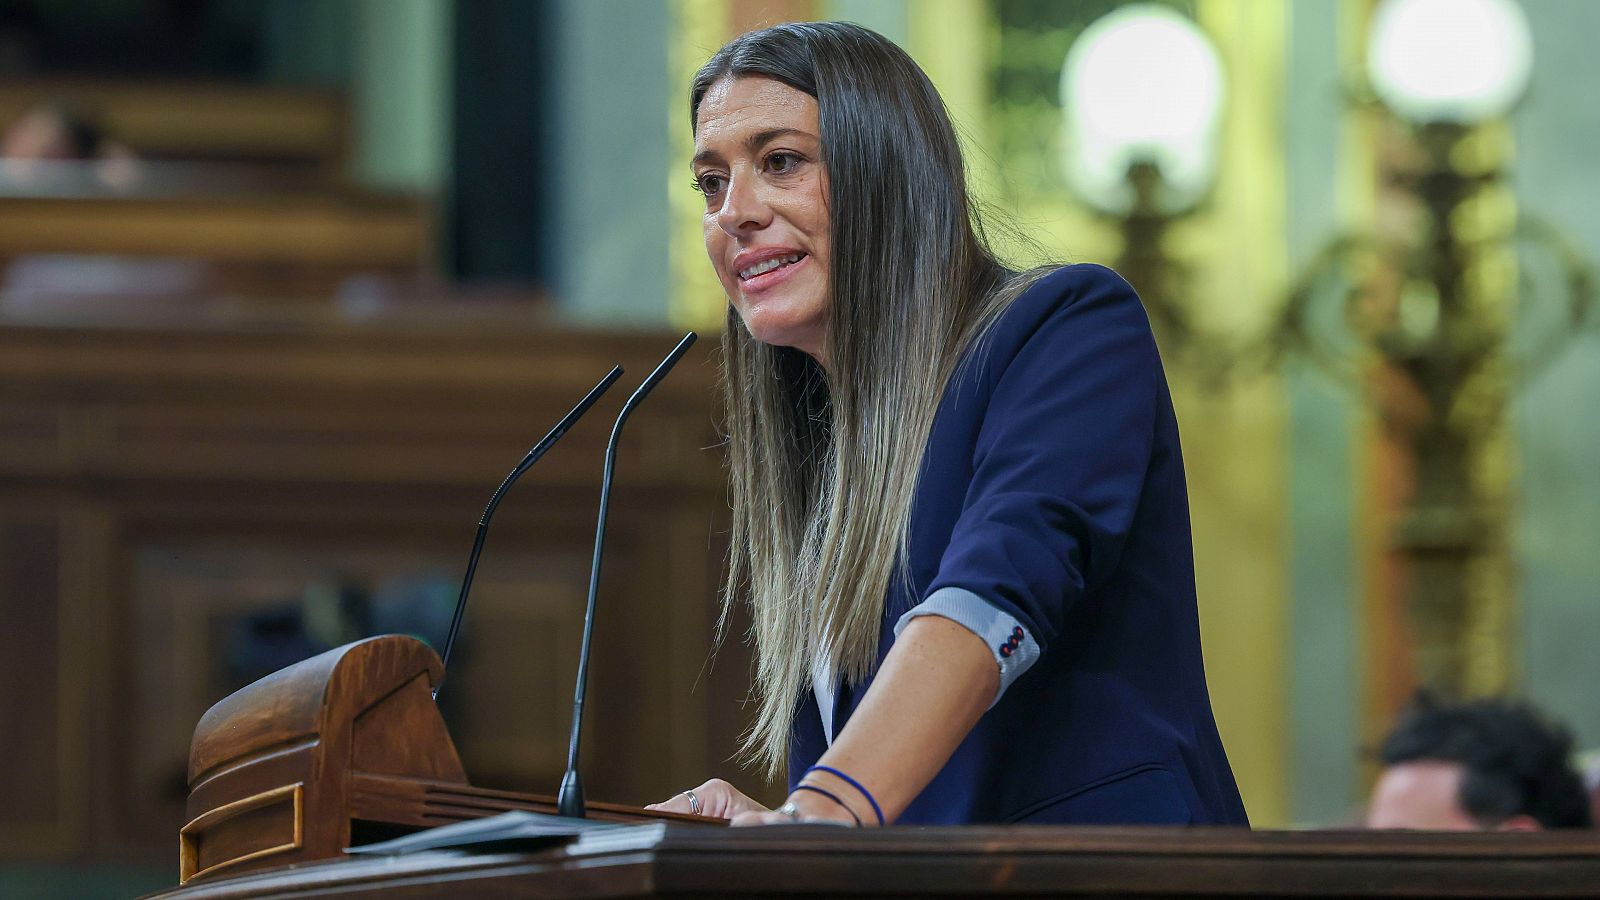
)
(1142, 85)
(1449, 61)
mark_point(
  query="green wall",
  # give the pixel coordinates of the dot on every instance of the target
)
(400, 94)
(1557, 418)
(1324, 676)
(609, 204)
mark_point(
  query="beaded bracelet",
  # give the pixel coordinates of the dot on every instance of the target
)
(876, 810)
(831, 796)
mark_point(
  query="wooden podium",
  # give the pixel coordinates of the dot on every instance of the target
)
(672, 860)
(346, 747)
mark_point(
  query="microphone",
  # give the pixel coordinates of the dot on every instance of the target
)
(538, 450)
(569, 801)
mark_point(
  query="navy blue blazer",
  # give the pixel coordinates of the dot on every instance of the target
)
(1053, 489)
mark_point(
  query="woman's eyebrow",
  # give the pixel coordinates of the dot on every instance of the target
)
(751, 143)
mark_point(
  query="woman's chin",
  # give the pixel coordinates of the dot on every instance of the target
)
(776, 338)
(780, 328)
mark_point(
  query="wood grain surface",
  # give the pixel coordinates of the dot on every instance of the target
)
(1021, 861)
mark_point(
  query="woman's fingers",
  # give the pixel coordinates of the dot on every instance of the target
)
(722, 800)
(717, 798)
(677, 804)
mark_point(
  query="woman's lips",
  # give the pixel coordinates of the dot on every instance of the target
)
(769, 280)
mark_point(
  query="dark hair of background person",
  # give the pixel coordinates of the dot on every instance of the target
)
(1516, 762)
(823, 467)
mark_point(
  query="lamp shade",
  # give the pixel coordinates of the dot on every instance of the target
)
(1460, 61)
(1142, 84)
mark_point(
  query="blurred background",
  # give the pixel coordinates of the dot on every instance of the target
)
(286, 286)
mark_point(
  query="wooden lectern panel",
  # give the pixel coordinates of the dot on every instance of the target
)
(343, 747)
(371, 681)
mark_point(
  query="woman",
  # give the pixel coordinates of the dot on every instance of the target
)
(959, 511)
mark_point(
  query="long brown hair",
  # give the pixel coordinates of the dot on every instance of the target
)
(823, 469)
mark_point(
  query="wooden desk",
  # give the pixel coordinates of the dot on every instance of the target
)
(258, 243)
(816, 861)
(357, 232)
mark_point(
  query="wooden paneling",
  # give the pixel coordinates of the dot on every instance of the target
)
(31, 712)
(171, 487)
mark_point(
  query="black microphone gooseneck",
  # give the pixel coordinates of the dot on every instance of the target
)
(538, 450)
(570, 799)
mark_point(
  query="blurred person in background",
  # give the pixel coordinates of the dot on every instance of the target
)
(57, 133)
(51, 131)
(54, 149)
(1484, 765)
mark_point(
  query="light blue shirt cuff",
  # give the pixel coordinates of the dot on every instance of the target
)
(1013, 647)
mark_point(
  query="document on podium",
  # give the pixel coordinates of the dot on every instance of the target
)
(513, 830)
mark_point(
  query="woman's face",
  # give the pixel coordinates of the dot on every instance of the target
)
(758, 160)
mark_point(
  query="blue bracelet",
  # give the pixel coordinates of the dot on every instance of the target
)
(876, 810)
(831, 796)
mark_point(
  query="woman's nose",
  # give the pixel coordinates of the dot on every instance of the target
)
(743, 208)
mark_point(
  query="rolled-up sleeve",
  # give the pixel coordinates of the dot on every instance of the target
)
(1008, 640)
(1058, 470)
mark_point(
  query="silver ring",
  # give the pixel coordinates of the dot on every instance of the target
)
(694, 803)
(789, 810)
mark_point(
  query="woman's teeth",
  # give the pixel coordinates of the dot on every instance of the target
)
(761, 268)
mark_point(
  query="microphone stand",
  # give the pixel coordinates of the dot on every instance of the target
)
(570, 799)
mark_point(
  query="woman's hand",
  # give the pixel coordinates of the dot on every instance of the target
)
(808, 807)
(717, 798)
